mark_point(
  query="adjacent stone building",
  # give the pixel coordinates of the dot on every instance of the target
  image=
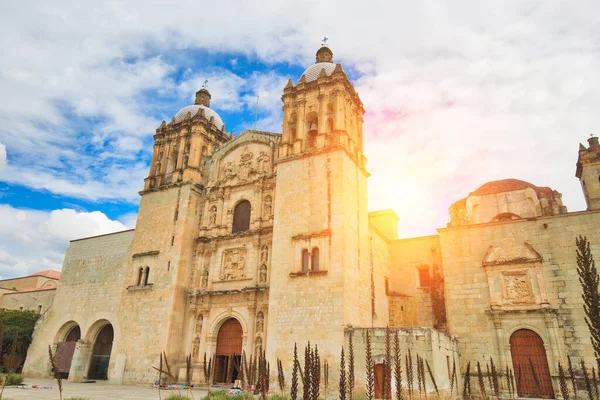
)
(263, 241)
(33, 292)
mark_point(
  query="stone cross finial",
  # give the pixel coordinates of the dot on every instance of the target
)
(205, 84)
(324, 42)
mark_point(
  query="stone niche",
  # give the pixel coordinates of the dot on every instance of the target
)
(234, 264)
(515, 277)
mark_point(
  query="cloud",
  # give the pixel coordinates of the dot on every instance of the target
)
(2, 156)
(455, 95)
(48, 233)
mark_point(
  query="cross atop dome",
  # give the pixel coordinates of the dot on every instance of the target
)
(203, 96)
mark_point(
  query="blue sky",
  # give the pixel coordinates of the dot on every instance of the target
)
(455, 95)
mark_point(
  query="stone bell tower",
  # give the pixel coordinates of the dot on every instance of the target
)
(168, 218)
(588, 172)
(320, 215)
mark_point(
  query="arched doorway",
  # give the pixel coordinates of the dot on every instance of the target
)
(101, 353)
(65, 350)
(229, 351)
(532, 375)
(379, 376)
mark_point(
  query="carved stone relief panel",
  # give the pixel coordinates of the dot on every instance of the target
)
(516, 287)
(515, 277)
(234, 264)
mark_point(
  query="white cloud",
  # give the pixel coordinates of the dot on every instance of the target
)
(48, 233)
(2, 156)
(455, 95)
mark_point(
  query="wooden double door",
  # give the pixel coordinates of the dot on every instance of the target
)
(229, 349)
(530, 365)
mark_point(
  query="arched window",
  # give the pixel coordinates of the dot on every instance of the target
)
(140, 275)
(329, 125)
(314, 262)
(304, 260)
(293, 135)
(172, 161)
(146, 275)
(157, 169)
(241, 217)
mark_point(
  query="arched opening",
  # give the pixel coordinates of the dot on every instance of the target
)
(101, 353)
(329, 125)
(146, 276)
(378, 375)
(172, 163)
(140, 276)
(241, 217)
(229, 351)
(312, 121)
(530, 364)
(66, 348)
(314, 262)
(304, 260)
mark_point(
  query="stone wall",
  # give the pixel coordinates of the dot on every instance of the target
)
(411, 301)
(505, 276)
(88, 295)
(39, 300)
(437, 349)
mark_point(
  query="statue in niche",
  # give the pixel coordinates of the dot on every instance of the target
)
(268, 206)
(262, 162)
(199, 320)
(264, 254)
(260, 321)
(228, 171)
(213, 216)
(228, 269)
(205, 278)
(241, 266)
(263, 274)
(196, 347)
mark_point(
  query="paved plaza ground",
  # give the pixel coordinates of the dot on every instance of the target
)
(92, 391)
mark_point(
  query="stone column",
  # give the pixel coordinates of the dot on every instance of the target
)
(81, 361)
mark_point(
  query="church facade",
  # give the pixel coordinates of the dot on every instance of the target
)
(263, 241)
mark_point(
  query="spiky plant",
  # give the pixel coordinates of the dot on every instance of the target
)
(432, 379)
(242, 369)
(326, 376)
(572, 376)
(589, 279)
(562, 380)
(518, 380)
(594, 382)
(489, 377)
(343, 388)
(188, 375)
(208, 374)
(370, 378)
(481, 382)
(229, 369)
(54, 372)
(420, 382)
(267, 376)
(316, 374)
(508, 385)
(160, 368)
(294, 385)
(452, 377)
(350, 366)
(306, 382)
(423, 377)
(397, 367)
(495, 379)
(387, 377)
(512, 383)
(280, 377)
(467, 382)
(409, 374)
(588, 383)
(536, 379)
